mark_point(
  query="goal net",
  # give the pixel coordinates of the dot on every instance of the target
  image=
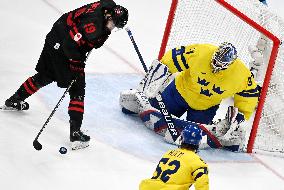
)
(242, 23)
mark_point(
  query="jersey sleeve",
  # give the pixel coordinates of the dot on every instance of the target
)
(200, 175)
(177, 59)
(246, 100)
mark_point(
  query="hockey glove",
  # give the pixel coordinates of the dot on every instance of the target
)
(234, 118)
(77, 68)
(230, 123)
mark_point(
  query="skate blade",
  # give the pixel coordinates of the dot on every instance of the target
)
(79, 145)
(5, 108)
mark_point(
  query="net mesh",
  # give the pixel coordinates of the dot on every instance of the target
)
(207, 21)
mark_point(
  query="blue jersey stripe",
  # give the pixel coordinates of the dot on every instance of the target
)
(174, 57)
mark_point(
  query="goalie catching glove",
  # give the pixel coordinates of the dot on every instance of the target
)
(229, 131)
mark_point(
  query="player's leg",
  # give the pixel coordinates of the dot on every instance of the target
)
(152, 118)
(34, 83)
(202, 116)
(128, 101)
(76, 112)
(28, 88)
(220, 129)
(173, 101)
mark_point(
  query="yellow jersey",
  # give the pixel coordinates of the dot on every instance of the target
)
(201, 88)
(178, 170)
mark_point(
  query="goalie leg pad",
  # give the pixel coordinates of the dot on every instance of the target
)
(150, 116)
(155, 80)
(154, 120)
(128, 101)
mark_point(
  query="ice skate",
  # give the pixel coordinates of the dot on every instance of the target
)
(14, 103)
(78, 139)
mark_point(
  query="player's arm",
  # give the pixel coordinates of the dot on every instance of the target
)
(75, 58)
(201, 178)
(160, 72)
(246, 100)
(176, 59)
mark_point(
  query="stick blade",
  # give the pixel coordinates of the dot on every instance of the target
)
(37, 145)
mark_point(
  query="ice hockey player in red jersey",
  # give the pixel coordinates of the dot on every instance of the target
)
(63, 57)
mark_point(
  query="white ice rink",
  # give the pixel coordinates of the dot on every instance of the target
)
(122, 151)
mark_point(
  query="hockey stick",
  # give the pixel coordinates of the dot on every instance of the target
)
(162, 107)
(37, 144)
(136, 48)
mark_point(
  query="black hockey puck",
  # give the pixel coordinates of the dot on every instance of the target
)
(63, 150)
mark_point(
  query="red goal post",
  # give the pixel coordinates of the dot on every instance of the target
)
(254, 17)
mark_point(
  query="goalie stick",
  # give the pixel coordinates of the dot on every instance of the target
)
(162, 107)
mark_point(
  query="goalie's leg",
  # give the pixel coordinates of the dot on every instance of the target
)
(128, 101)
(153, 118)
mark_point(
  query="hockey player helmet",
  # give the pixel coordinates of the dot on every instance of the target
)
(119, 16)
(191, 135)
(224, 56)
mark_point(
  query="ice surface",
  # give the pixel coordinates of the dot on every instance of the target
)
(122, 150)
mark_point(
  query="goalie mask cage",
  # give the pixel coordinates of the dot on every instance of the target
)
(241, 22)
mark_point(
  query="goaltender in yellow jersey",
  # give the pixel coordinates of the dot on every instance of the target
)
(201, 88)
(179, 169)
(205, 74)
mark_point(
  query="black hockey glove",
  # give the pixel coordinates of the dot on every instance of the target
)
(77, 68)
